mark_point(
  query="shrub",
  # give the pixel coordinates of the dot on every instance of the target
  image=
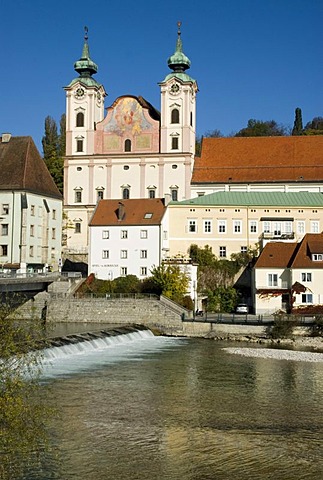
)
(316, 330)
(281, 328)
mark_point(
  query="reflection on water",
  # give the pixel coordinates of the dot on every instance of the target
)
(186, 409)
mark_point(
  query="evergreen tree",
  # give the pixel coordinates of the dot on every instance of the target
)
(298, 123)
(54, 149)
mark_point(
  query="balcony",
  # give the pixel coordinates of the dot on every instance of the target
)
(277, 235)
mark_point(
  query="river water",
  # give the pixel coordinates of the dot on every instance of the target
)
(161, 408)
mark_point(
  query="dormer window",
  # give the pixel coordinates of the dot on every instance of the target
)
(127, 145)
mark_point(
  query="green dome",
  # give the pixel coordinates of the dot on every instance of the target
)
(85, 67)
(179, 62)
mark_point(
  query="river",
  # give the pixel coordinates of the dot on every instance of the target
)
(182, 409)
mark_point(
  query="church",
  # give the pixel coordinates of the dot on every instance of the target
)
(133, 150)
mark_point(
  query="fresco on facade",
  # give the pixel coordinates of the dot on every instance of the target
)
(127, 118)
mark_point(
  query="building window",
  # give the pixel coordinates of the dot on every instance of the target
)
(124, 234)
(306, 277)
(165, 235)
(100, 195)
(223, 252)
(152, 193)
(143, 233)
(54, 215)
(307, 298)
(315, 226)
(175, 143)
(32, 210)
(143, 271)
(191, 119)
(317, 257)
(175, 116)
(192, 227)
(79, 145)
(5, 209)
(126, 167)
(105, 234)
(31, 251)
(143, 253)
(77, 227)
(272, 279)
(244, 249)
(4, 229)
(80, 119)
(174, 194)
(237, 226)
(267, 226)
(32, 230)
(124, 254)
(301, 227)
(105, 254)
(127, 145)
(123, 271)
(207, 226)
(53, 233)
(253, 226)
(125, 193)
(174, 167)
(78, 196)
(222, 226)
(3, 250)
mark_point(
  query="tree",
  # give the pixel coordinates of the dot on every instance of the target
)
(298, 123)
(202, 256)
(54, 149)
(315, 127)
(22, 404)
(170, 281)
(258, 128)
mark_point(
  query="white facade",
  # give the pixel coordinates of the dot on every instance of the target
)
(30, 231)
(117, 251)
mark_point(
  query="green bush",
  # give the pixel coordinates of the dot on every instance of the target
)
(282, 328)
(316, 330)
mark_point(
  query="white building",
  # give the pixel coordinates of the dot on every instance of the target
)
(30, 208)
(289, 275)
(128, 237)
(135, 151)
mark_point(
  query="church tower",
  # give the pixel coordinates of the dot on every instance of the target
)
(84, 105)
(178, 104)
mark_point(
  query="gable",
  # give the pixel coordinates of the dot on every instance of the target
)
(130, 121)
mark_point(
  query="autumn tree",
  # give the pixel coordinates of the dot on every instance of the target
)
(22, 404)
(171, 281)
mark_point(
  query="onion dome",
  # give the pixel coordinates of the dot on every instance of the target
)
(179, 62)
(85, 67)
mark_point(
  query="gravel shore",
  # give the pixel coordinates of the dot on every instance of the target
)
(298, 356)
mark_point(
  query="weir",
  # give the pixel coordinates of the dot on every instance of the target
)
(59, 347)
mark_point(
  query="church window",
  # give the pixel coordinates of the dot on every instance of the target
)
(100, 194)
(127, 145)
(126, 167)
(174, 194)
(77, 227)
(152, 193)
(80, 119)
(78, 196)
(175, 143)
(79, 145)
(125, 193)
(191, 121)
(175, 116)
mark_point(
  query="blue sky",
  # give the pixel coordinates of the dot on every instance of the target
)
(251, 58)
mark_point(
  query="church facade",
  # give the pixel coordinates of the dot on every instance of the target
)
(134, 151)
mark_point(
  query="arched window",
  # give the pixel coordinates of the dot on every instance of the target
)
(175, 116)
(127, 145)
(80, 119)
(125, 193)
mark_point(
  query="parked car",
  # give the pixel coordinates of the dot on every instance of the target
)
(242, 308)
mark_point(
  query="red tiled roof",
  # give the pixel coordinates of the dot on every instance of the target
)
(292, 255)
(260, 159)
(128, 212)
(276, 255)
(311, 243)
(22, 168)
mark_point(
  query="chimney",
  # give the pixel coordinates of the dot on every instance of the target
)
(6, 137)
(121, 211)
